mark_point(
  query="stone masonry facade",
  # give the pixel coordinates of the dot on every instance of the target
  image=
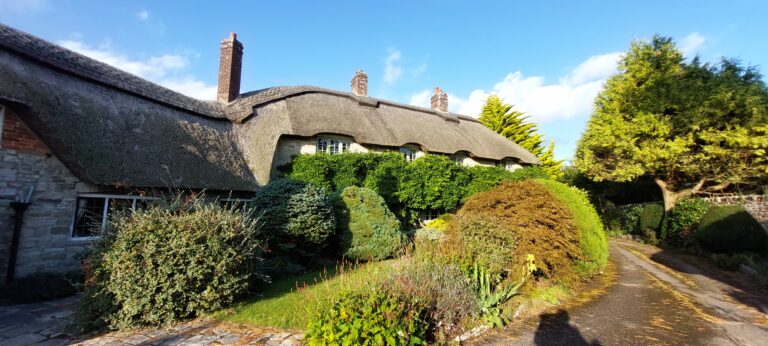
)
(756, 205)
(45, 244)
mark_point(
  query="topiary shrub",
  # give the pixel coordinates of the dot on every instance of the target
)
(730, 228)
(168, 262)
(297, 218)
(379, 317)
(592, 238)
(367, 228)
(680, 223)
(650, 218)
(524, 214)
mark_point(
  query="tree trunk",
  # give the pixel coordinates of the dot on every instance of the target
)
(672, 197)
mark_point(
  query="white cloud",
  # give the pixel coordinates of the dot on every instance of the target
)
(143, 14)
(689, 44)
(167, 70)
(392, 68)
(572, 96)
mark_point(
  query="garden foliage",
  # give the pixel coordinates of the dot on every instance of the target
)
(367, 228)
(730, 229)
(373, 317)
(171, 261)
(297, 218)
(592, 239)
(680, 223)
(502, 226)
(650, 218)
(432, 182)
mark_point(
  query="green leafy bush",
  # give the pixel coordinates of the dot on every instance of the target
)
(440, 223)
(499, 228)
(379, 317)
(680, 223)
(650, 218)
(450, 300)
(336, 172)
(171, 261)
(529, 172)
(730, 229)
(367, 228)
(623, 219)
(297, 218)
(593, 242)
(432, 182)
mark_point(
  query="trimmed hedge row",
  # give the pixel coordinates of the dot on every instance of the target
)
(730, 228)
(432, 182)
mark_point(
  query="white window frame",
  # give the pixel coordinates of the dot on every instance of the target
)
(2, 123)
(332, 146)
(105, 211)
(511, 165)
(409, 153)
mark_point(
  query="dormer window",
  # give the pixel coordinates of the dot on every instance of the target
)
(408, 153)
(332, 146)
(511, 165)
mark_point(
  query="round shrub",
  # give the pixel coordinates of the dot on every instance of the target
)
(592, 239)
(380, 317)
(297, 217)
(650, 218)
(730, 228)
(516, 219)
(367, 228)
(170, 262)
(680, 223)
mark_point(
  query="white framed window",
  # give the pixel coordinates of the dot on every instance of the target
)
(458, 159)
(93, 212)
(2, 121)
(408, 153)
(511, 165)
(332, 146)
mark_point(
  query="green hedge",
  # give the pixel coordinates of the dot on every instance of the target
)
(730, 229)
(298, 218)
(174, 260)
(593, 241)
(680, 223)
(432, 182)
(650, 218)
(367, 228)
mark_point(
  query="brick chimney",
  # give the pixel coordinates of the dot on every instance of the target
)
(230, 66)
(440, 100)
(360, 83)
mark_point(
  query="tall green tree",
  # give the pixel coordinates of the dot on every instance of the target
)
(514, 125)
(692, 127)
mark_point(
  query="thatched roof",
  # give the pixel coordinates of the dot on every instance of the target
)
(109, 126)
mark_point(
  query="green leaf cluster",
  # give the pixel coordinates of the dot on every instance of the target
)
(730, 228)
(377, 317)
(367, 229)
(686, 124)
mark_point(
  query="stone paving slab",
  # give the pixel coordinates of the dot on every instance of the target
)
(45, 324)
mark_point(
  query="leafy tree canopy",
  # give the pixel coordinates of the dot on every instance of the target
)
(514, 125)
(692, 127)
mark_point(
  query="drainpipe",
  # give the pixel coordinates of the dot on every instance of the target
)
(19, 208)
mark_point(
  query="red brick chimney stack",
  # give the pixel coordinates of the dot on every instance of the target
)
(440, 100)
(230, 67)
(360, 83)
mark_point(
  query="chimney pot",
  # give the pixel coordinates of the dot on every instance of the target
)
(360, 83)
(439, 100)
(230, 68)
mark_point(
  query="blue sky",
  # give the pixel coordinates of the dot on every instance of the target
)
(548, 58)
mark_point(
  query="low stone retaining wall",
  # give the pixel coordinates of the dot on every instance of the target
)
(756, 205)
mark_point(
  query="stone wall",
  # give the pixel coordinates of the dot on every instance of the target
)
(756, 205)
(45, 243)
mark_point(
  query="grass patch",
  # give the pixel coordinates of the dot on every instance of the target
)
(289, 303)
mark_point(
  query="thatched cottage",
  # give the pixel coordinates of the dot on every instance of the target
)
(81, 138)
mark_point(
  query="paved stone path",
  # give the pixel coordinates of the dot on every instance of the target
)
(657, 300)
(45, 324)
